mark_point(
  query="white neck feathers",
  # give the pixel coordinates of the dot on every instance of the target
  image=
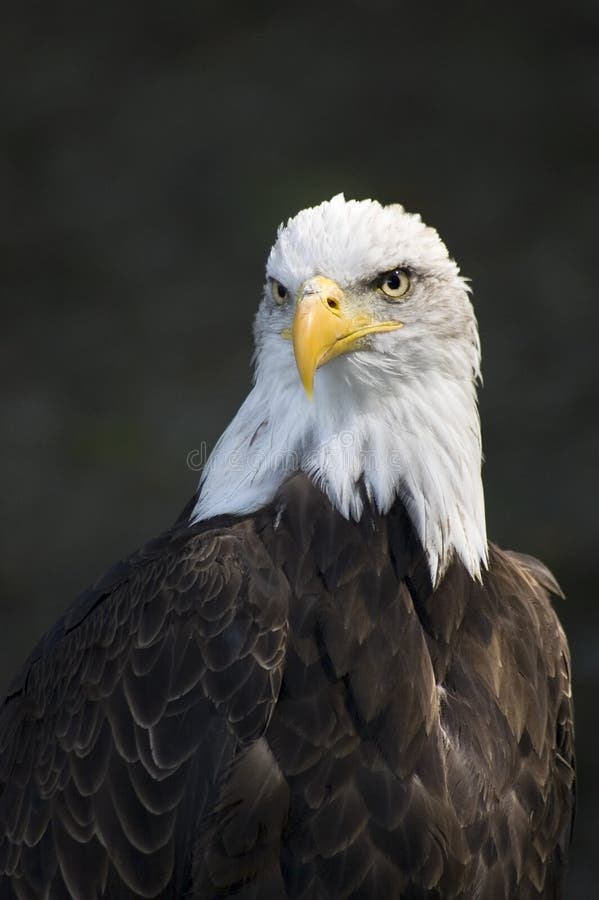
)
(419, 442)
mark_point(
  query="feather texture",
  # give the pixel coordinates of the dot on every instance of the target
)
(282, 706)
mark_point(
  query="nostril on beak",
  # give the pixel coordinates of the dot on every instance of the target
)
(332, 303)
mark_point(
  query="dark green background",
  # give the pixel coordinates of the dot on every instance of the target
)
(148, 154)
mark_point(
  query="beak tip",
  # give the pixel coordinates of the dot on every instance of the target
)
(309, 389)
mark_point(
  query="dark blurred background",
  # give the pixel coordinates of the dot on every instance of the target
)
(148, 153)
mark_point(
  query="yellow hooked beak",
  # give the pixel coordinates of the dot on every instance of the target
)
(324, 327)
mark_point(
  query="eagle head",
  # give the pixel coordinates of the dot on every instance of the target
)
(366, 365)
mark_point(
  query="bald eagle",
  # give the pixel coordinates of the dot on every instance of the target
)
(322, 682)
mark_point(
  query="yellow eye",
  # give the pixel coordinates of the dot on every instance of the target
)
(395, 284)
(280, 294)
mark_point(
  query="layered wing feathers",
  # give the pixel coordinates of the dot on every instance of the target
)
(117, 737)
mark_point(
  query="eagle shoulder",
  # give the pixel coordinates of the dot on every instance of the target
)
(122, 729)
(511, 667)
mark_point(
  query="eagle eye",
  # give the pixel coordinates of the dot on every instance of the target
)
(395, 284)
(279, 292)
